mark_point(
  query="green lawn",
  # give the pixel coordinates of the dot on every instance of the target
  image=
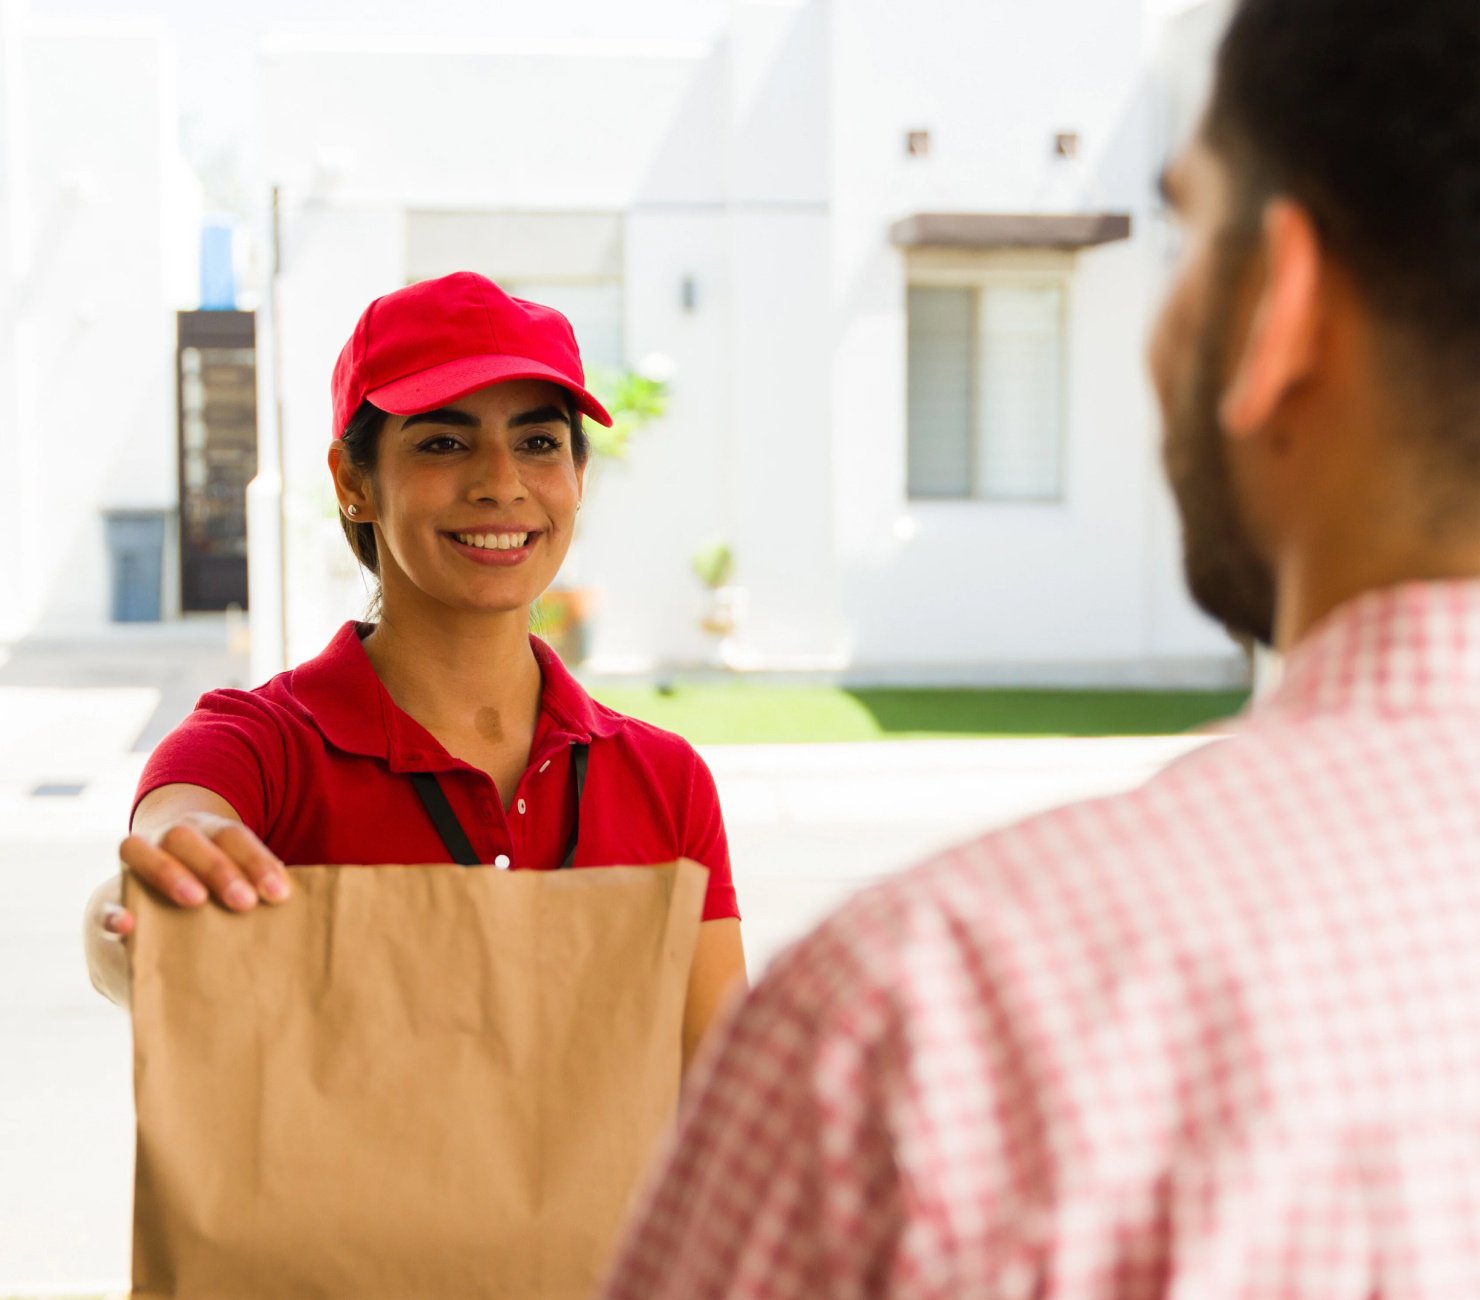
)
(745, 713)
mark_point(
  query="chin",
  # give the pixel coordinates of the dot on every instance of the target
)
(1240, 596)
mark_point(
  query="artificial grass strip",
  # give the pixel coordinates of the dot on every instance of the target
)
(719, 713)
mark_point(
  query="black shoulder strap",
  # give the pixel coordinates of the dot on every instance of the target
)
(579, 756)
(434, 798)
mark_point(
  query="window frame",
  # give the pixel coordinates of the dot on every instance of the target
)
(978, 272)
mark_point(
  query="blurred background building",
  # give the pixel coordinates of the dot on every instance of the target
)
(899, 266)
(896, 260)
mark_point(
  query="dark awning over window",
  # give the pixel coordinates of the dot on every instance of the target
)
(984, 231)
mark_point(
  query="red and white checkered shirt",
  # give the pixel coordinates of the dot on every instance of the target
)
(1218, 1037)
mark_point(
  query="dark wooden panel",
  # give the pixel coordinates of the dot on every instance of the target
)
(217, 376)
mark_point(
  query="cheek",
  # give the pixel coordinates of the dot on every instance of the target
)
(559, 487)
(406, 503)
(1171, 336)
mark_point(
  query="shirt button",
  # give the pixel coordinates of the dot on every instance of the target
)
(521, 805)
(502, 862)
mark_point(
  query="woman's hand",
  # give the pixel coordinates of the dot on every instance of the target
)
(202, 855)
(189, 845)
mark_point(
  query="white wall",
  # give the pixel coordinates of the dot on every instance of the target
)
(736, 201)
(17, 580)
(335, 260)
(478, 125)
(100, 213)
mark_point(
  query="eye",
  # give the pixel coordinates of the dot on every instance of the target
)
(440, 445)
(542, 443)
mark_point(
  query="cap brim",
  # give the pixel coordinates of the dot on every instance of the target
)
(436, 386)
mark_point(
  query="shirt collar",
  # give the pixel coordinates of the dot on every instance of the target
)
(568, 705)
(346, 701)
(1410, 648)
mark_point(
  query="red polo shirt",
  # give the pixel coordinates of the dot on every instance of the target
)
(316, 763)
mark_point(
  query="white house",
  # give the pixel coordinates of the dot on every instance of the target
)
(903, 259)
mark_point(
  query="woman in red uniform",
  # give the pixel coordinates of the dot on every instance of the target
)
(443, 731)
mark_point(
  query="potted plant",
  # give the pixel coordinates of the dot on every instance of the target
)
(724, 610)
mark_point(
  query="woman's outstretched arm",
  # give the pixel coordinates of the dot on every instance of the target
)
(190, 845)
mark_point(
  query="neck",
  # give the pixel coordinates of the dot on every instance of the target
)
(448, 669)
(1364, 555)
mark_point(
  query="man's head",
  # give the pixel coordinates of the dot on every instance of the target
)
(1323, 337)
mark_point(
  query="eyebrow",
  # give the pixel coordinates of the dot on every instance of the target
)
(540, 415)
(465, 420)
(443, 415)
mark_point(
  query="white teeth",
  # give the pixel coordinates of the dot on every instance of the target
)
(493, 541)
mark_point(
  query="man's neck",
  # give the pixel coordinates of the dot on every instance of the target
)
(1317, 580)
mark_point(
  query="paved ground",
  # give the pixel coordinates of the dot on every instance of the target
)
(808, 825)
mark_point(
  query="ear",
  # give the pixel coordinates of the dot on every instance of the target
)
(350, 485)
(1280, 343)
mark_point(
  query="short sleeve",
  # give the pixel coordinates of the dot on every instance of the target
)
(233, 745)
(704, 842)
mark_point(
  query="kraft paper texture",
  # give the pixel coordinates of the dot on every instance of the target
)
(405, 1082)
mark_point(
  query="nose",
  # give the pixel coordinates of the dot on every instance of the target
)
(495, 478)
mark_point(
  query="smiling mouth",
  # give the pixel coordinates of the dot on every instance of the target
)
(495, 541)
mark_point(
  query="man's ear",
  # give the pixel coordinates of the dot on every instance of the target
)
(1279, 346)
(350, 485)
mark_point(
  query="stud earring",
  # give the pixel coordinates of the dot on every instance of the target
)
(352, 511)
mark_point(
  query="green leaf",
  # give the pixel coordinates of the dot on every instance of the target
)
(633, 400)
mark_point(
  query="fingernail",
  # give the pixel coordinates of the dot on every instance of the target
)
(275, 887)
(190, 892)
(240, 895)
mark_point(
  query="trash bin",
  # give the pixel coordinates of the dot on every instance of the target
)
(135, 563)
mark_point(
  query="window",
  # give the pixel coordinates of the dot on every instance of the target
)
(986, 389)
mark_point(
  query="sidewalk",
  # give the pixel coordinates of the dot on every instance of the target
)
(77, 718)
(808, 825)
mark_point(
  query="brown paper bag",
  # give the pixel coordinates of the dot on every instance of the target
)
(406, 1082)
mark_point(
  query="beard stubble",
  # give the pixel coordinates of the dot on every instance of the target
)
(1226, 576)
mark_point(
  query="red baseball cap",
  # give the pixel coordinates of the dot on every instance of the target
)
(430, 343)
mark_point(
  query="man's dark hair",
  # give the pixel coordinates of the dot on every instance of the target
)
(361, 440)
(1367, 113)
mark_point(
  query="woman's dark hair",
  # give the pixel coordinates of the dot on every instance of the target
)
(1367, 113)
(361, 441)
